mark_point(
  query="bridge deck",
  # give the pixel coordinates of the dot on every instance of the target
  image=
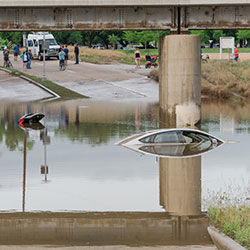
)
(110, 3)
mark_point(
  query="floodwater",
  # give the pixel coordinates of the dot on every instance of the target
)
(73, 167)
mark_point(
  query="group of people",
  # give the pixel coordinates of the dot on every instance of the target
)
(26, 58)
(63, 55)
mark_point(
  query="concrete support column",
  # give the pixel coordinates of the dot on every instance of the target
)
(180, 78)
(180, 185)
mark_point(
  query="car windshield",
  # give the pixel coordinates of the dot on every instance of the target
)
(51, 42)
(48, 42)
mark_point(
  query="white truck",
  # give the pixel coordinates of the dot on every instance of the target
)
(35, 44)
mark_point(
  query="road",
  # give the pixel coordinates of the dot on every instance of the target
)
(100, 82)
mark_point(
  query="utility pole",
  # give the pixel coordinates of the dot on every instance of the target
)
(44, 75)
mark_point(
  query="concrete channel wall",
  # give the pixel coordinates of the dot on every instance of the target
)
(112, 228)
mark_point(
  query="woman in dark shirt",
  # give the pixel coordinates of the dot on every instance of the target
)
(137, 58)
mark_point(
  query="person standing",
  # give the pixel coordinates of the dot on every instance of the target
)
(138, 58)
(29, 58)
(15, 51)
(5, 57)
(25, 59)
(66, 52)
(76, 50)
(236, 54)
(61, 59)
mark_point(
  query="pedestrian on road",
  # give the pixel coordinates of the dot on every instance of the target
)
(66, 52)
(236, 54)
(25, 59)
(15, 51)
(76, 50)
(138, 58)
(61, 59)
(29, 57)
(5, 57)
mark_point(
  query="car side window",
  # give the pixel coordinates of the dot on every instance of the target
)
(148, 139)
(167, 137)
(30, 43)
(36, 43)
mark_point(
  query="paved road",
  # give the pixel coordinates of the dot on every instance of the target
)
(103, 82)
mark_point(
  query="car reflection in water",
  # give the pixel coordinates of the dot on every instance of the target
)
(175, 143)
(32, 126)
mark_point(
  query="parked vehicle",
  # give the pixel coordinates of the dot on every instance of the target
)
(35, 44)
(174, 143)
(97, 46)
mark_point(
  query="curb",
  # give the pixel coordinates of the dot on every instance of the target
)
(56, 96)
(223, 242)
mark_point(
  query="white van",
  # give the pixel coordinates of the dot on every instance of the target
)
(35, 41)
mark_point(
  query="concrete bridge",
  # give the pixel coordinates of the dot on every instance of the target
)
(174, 15)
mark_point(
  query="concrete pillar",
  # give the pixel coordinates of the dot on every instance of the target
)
(180, 186)
(180, 78)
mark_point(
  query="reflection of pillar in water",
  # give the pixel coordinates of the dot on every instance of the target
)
(137, 118)
(180, 78)
(180, 185)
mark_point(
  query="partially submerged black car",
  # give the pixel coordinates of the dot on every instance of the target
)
(31, 118)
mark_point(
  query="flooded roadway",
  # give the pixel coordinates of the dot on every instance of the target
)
(117, 191)
(69, 185)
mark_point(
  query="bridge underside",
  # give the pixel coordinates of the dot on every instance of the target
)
(125, 18)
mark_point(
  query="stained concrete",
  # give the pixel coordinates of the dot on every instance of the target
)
(14, 88)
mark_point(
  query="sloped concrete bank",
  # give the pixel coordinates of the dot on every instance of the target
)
(223, 242)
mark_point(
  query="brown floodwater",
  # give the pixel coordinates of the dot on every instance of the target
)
(66, 182)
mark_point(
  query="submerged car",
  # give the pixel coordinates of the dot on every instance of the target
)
(174, 143)
(31, 118)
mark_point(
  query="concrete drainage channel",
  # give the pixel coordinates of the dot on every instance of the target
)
(223, 242)
(55, 95)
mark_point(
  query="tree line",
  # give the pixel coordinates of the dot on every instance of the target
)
(144, 38)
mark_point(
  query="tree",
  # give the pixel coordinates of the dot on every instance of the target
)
(147, 36)
(131, 36)
(203, 34)
(113, 39)
(243, 34)
(75, 37)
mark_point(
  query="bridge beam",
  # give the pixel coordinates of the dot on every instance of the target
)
(124, 18)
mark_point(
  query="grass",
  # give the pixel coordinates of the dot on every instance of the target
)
(217, 50)
(230, 212)
(110, 56)
(223, 80)
(64, 93)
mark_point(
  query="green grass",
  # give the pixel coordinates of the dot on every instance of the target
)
(64, 93)
(217, 50)
(229, 211)
(233, 221)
